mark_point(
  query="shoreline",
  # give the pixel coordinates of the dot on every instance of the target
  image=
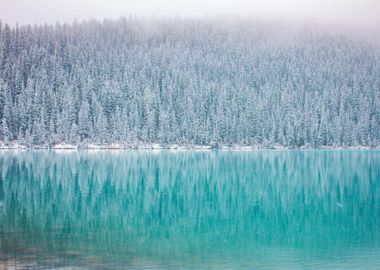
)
(235, 147)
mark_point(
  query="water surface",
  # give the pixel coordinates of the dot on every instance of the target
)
(190, 209)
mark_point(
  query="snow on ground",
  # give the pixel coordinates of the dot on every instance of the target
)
(94, 146)
(11, 146)
(155, 146)
(150, 146)
(115, 146)
(64, 146)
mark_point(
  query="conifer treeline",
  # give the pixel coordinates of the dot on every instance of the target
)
(186, 81)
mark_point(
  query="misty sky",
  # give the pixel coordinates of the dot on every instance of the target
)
(366, 12)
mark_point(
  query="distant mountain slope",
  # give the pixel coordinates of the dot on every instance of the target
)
(187, 81)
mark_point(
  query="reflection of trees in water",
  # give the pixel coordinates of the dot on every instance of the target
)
(200, 200)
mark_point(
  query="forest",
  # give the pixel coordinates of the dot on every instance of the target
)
(183, 81)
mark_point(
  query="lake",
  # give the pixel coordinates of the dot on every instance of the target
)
(133, 209)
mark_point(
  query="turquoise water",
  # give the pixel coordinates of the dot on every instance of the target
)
(190, 210)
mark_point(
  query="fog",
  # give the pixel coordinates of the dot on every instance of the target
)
(346, 12)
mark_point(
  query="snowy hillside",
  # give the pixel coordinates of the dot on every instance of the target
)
(187, 82)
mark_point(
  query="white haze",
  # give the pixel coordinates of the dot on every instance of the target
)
(341, 12)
